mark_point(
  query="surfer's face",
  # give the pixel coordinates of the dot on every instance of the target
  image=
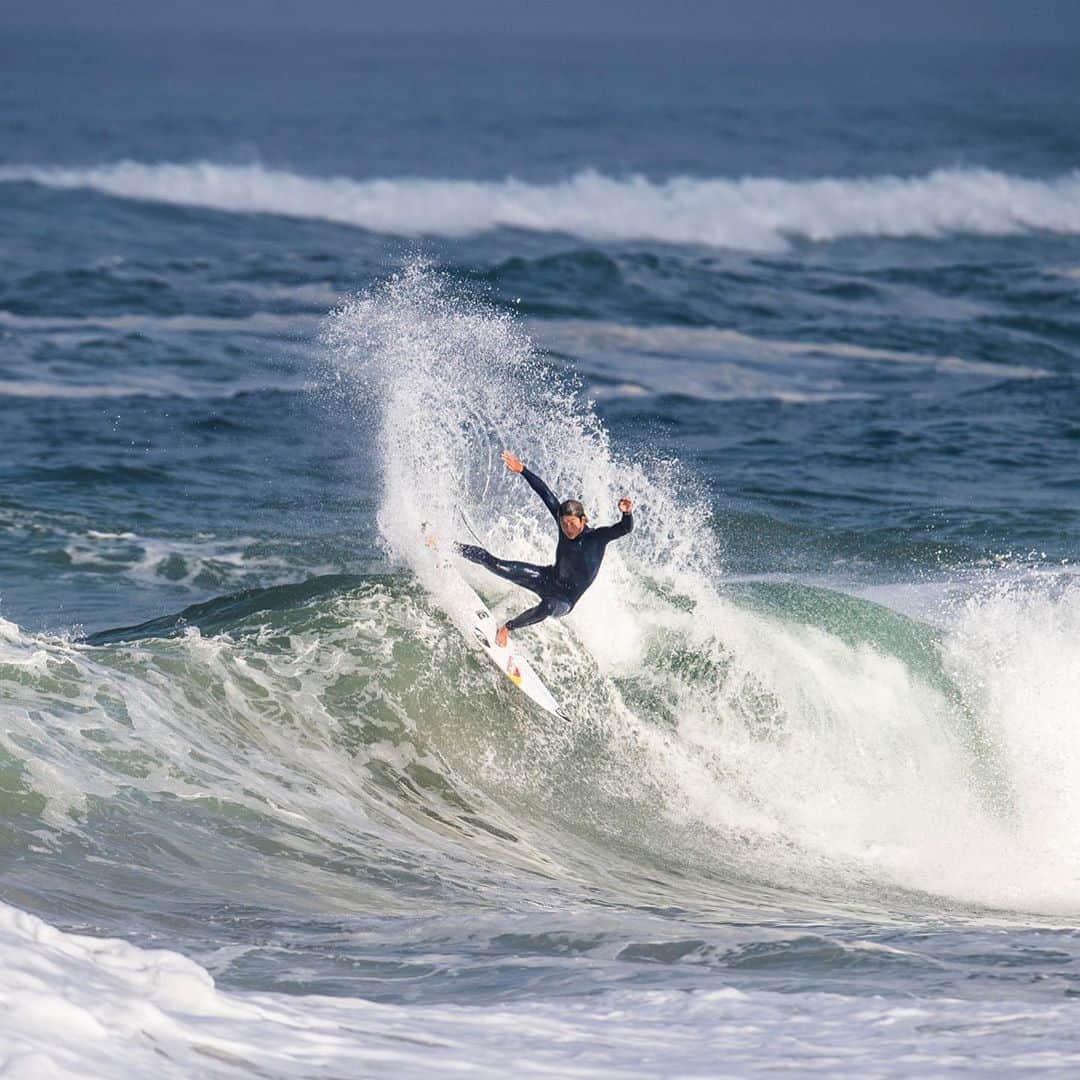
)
(571, 526)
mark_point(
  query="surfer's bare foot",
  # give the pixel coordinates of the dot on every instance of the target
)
(502, 636)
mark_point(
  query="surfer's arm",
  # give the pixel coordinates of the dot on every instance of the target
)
(541, 489)
(625, 525)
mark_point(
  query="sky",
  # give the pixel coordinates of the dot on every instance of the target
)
(814, 20)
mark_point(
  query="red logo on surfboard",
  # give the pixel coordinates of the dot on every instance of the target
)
(513, 671)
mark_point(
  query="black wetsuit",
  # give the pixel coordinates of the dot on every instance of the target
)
(577, 562)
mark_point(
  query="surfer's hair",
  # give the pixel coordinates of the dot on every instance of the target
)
(571, 508)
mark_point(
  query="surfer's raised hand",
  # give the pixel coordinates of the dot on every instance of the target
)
(511, 462)
(626, 506)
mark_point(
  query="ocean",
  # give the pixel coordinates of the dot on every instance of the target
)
(271, 305)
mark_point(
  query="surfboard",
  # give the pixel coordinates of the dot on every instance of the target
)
(512, 661)
(478, 625)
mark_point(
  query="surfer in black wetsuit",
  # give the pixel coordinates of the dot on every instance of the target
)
(577, 558)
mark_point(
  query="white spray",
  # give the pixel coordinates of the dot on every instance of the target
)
(832, 757)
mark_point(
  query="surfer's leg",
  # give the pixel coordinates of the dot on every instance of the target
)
(550, 607)
(527, 575)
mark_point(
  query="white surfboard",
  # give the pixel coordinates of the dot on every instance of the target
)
(512, 662)
(473, 619)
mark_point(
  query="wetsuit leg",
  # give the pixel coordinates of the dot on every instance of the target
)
(550, 607)
(528, 576)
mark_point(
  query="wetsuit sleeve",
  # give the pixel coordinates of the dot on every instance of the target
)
(541, 489)
(607, 533)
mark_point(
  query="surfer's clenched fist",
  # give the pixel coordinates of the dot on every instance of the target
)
(626, 506)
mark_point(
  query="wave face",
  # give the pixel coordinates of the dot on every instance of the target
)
(337, 747)
(752, 214)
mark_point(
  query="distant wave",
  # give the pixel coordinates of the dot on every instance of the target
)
(757, 214)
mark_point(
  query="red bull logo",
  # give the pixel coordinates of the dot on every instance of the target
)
(513, 671)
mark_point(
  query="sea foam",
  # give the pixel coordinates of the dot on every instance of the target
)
(72, 1005)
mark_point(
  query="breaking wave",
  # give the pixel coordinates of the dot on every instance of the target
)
(750, 213)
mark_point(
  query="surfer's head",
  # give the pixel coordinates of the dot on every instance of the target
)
(571, 518)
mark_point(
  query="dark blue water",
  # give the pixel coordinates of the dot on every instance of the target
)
(823, 304)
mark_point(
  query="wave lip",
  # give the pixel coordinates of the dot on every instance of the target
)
(751, 213)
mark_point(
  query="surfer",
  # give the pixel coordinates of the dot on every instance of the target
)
(577, 557)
